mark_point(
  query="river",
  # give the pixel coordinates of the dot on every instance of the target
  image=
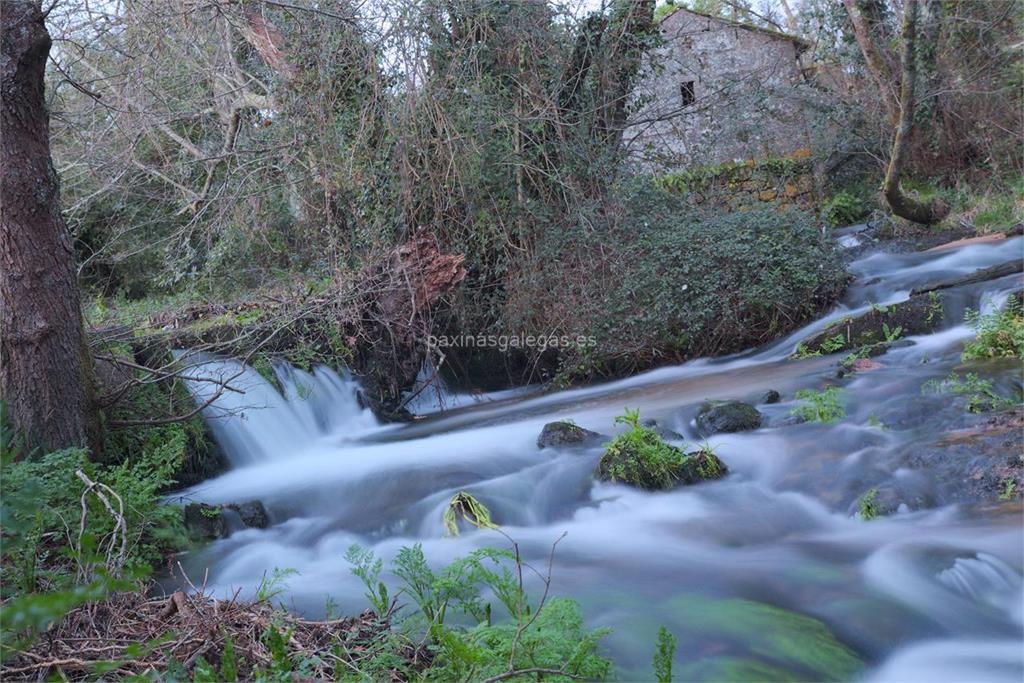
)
(765, 574)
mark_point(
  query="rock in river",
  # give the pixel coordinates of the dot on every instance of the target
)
(218, 521)
(727, 416)
(565, 433)
(642, 459)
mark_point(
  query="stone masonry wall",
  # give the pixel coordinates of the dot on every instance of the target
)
(782, 181)
(747, 92)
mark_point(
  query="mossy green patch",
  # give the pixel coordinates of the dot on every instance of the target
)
(640, 457)
(787, 644)
(734, 669)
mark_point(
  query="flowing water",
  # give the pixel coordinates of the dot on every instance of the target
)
(765, 574)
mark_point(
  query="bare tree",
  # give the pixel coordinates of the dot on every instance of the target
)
(45, 367)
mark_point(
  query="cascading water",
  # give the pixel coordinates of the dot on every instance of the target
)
(431, 394)
(767, 571)
(253, 422)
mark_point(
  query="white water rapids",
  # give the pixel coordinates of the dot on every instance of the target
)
(928, 594)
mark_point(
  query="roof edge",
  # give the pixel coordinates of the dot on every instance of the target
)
(802, 43)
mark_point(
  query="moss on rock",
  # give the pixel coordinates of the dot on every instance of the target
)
(640, 457)
(756, 636)
(879, 326)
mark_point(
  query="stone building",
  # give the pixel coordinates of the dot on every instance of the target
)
(721, 91)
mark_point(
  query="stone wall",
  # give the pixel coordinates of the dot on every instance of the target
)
(720, 92)
(782, 181)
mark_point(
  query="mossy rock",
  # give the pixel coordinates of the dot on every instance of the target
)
(734, 669)
(641, 458)
(758, 641)
(920, 314)
(205, 521)
(702, 466)
(210, 522)
(663, 432)
(727, 416)
(564, 433)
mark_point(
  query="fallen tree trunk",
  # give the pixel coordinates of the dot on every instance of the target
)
(981, 275)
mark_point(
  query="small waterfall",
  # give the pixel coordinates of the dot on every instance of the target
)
(255, 423)
(432, 394)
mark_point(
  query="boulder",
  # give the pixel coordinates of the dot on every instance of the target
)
(252, 514)
(211, 522)
(787, 420)
(701, 466)
(771, 396)
(205, 521)
(562, 433)
(664, 432)
(727, 416)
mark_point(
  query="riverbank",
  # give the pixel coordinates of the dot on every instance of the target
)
(907, 440)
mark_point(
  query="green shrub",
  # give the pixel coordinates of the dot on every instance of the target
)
(843, 209)
(39, 497)
(545, 634)
(820, 406)
(657, 281)
(997, 335)
(640, 457)
(42, 500)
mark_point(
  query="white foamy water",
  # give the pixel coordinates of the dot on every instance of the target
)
(930, 594)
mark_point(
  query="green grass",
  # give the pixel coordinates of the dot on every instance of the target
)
(820, 406)
(991, 208)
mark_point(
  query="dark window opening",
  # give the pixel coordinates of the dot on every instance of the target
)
(687, 92)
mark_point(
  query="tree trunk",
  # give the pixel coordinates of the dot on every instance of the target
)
(632, 29)
(901, 204)
(876, 63)
(791, 24)
(45, 367)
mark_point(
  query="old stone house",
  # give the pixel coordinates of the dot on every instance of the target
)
(721, 91)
